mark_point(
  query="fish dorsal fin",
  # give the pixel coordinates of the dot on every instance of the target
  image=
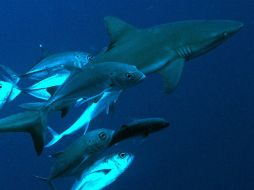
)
(56, 155)
(116, 27)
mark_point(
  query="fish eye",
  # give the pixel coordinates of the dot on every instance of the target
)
(1, 86)
(102, 136)
(90, 57)
(129, 75)
(225, 34)
(122, 155)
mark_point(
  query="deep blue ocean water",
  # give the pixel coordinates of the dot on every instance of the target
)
(210, 143)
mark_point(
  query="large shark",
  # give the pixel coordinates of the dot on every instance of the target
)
(163, 49)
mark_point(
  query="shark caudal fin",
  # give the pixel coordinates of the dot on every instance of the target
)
(32, 122)
(46, 180)
(117, 28)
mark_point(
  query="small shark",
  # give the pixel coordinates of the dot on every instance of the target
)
(164, 48)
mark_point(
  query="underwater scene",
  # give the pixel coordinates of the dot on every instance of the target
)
(121, 95)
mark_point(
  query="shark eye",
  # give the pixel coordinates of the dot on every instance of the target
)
(225, 34)
(122, 155)
(1, 86)
(102, 136)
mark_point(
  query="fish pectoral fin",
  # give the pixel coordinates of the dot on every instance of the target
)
(171, 75)
(116, 28)
(56, 155)
(51, 90)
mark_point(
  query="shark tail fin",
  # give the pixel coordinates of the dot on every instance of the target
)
(32, 122)
(55, 135)
(46, 180)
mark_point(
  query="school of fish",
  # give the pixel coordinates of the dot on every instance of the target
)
(64, 81)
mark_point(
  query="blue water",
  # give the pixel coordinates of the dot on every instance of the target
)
(210, 143)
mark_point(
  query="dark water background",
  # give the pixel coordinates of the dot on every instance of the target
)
(210, 143)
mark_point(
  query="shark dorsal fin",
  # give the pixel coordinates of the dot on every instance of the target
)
(116, 27)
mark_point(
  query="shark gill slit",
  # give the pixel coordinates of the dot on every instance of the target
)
(184, 52)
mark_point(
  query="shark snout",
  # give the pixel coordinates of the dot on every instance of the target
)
(231, 27)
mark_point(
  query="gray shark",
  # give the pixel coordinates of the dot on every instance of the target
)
(163, 49)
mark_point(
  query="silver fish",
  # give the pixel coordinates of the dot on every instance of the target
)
(103, 172)
(57, 62)
(81, 150)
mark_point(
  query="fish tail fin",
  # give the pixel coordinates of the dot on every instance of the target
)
(46, 180)
(38, 93)
(32, 122)
(10, 76)
(55, 135)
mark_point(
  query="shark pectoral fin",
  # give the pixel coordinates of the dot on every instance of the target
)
(171, 75)
(116, 27)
